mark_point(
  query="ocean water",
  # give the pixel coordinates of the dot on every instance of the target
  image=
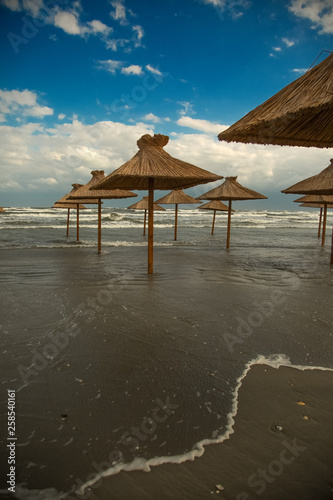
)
(46, 227)
(117, 370)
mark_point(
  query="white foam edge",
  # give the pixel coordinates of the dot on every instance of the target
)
(274, 361)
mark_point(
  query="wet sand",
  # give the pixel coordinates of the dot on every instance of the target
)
(280, 448)
(96, 348)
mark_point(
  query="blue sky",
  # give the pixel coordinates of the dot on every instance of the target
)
(81, 81)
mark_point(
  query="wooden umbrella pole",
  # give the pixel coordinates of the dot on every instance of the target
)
(229, 224)
(324, 225)
(77, 222)
(213, 222)
(176, 217)
(99, 225)
(320, 218)
(331, 261)
(144, 223)
(68, 222)
(151, 226)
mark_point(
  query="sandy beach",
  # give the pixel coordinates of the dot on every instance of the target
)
(114, 368)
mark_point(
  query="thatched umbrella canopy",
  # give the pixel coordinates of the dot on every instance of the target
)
(177, 197)
(231, 190)
(2, 210)
(319, 184)
(299, 115)
(215, 205)
(66, 201)
(321, 206)
(321, 201)
(153, 168)
(143, 205)
(68, 206)
(84, 192)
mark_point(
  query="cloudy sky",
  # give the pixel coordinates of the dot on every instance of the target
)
(82, 80)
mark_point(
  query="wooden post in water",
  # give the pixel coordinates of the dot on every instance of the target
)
(213, 222)
(324, 225)
(176, 216)
(320, 219)
(144, 223)
(68, 222)
(151, 226)
(77, 222)
(229, 224)
(99, 225)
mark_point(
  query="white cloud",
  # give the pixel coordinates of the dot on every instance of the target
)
(68, 22)
(202, 125)
(2, 117)
(152, 118)
(22, 102)
(139, 34)
(277, 49)
(134, 69)
(155, 71)
(320, 12)
(289, 43)
(232, 7)
(12, 4)
(61, 116)
(99, 27)
(187, 108)
(119, 13)
(300, 71)
(110, 65)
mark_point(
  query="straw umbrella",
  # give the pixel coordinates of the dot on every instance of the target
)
(322, 201)
(85, 193)
(215, 205)
(320, 184)
(317, 205)
(66, 201)
(2, 210)
(231, 190)
(299, 115)
(177, 197)
(143, 205)
(153, 168)
(68, 207)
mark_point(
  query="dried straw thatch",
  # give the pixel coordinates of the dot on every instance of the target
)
(316, 205)
(321, 183)
(177, 197)
(299, 115)
(68, 206)
(65, 200)
(143, 205)
(84, 192)
(215, 205)
(153, 168)
(315, 198)
(2, 210)
(230, 190)
(152, 162)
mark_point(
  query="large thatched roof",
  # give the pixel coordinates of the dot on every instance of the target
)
(68, 205)
(84, 192)
(143, 205)
(152, 162)
(65, 199)
(215, 205)
(177, 196)
(230, 189)
(321, 183)
(299, 115)
(315, 198)
(316, 205)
